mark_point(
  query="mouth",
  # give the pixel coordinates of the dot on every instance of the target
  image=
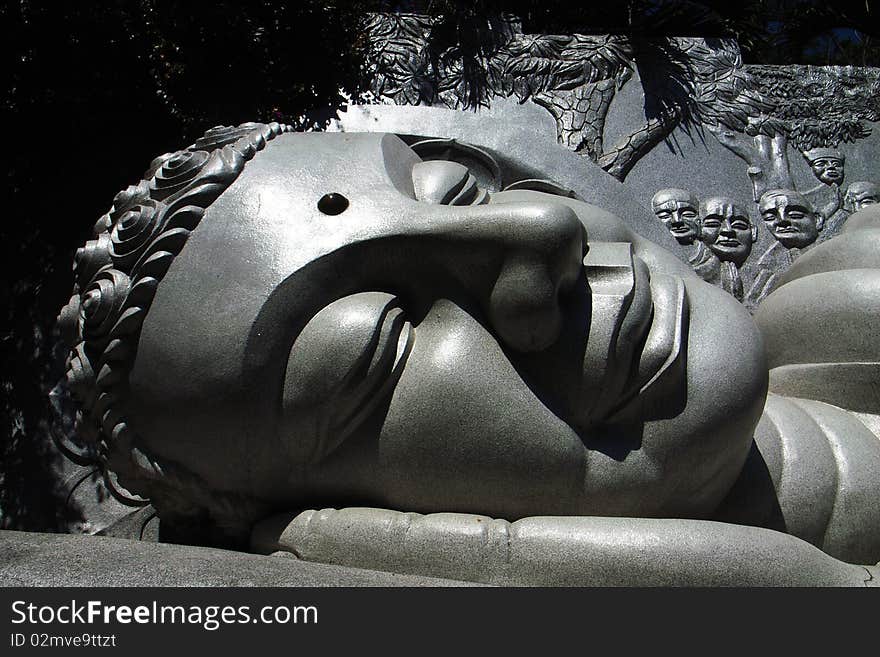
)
(634, 363)
(681, 228)
(786, 230)
(657, 388)
(728, 244)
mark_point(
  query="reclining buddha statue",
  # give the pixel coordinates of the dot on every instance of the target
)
(401, 352)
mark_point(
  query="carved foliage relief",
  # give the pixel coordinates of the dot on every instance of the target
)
(759, 113)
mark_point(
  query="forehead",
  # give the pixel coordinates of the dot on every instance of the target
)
(672, 204)
(783, 200)
(724, 206)
(868, 189)
(673, 200)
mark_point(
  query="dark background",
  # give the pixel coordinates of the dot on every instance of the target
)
(93, 91)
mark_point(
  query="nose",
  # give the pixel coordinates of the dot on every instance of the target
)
(781, 219)
(522, 257)
(727, 229)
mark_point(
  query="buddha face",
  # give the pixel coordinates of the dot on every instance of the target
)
(828, 167)
(790, 217)
(351, 325)
(677, 209)
(860, 195)
(726, 229)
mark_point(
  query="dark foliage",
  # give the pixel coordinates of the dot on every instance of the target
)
(92, 94)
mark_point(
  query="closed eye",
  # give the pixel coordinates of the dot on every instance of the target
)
(446, 183)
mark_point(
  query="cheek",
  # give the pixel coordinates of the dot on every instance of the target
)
(464, 432)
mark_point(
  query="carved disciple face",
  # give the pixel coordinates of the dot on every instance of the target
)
(677, 209)
(790, 217)
(726, 229)
(827, 165)
(860, 195)
(351, 325)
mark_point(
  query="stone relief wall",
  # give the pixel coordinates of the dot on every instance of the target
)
(763, 115)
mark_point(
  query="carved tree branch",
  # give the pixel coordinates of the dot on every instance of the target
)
(580, 115)
(766, 157)
(622, 157)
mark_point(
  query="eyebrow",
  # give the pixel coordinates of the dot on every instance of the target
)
(764, 208)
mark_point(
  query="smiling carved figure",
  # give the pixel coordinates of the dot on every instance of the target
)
(274, 321)
(827, 165)
(790, 217)
(727, 230)
(677, 210)
(860, 195)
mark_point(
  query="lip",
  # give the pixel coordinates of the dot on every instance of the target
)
(732, 244)
(657, 385)
(787, 229)
(640, 324)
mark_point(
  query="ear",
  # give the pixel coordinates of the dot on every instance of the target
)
(754, 232)
(820, 220)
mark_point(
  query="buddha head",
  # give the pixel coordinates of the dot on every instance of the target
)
(277, 320)
(827, 164)
(726, 229)
(677, 209)
(860, 195)
(790, 217)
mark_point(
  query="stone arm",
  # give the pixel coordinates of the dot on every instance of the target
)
(827, 199)
(812, 473)
(556, 551)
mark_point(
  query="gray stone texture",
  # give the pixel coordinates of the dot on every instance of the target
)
(547, 551)
(34, 559)
(480, 316)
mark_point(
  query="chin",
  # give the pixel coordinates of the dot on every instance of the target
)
(793, 240)
(728, 254)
